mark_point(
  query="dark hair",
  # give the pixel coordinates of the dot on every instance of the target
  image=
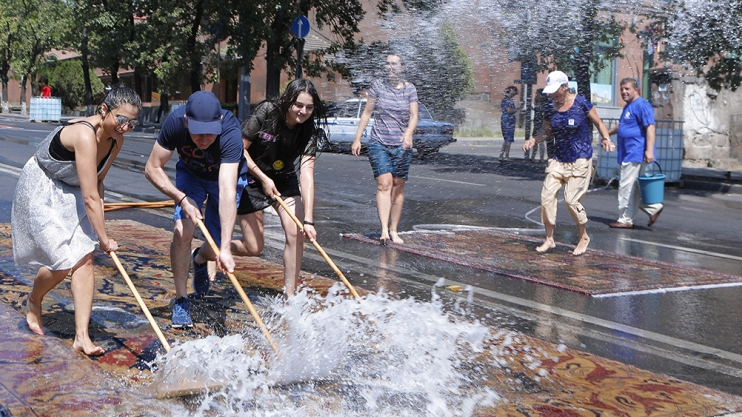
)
(119, 95)
(511, 87)
(308, 131)
(630, 80)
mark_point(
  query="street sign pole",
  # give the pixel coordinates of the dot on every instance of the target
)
(299, 53)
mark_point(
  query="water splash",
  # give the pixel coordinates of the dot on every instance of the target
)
(345, 357)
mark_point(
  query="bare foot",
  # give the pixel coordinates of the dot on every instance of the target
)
(384, 239)
(581, 246)
(396, 238)
(548, 244)
(33, 316)
(88, 347)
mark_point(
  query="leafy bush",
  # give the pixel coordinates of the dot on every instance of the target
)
(69, 84)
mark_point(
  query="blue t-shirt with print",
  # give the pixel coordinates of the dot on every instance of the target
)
(632, 130)
(572, 130)
(204, 163)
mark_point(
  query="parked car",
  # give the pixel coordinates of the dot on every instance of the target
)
(343, 119)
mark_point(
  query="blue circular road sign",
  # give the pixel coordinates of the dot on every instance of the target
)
(300, 27)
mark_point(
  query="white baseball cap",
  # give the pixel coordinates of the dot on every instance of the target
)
(554, 80)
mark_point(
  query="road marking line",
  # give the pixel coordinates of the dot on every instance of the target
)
(684, 249)
(10, 169)
(664, 290)
(456, 182)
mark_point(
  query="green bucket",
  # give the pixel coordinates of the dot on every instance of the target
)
(652, 187)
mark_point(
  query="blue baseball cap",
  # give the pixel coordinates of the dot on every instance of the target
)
(204, 114)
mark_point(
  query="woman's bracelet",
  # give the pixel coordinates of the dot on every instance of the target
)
(181, 200)
(308, 222)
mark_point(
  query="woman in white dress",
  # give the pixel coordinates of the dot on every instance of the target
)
(57, 217)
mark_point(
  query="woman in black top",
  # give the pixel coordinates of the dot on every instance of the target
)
(57, 216)
(276, 135)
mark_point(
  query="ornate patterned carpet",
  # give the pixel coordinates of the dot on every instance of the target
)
(595, 272)
(43, 376)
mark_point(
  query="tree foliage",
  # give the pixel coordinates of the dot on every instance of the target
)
(68, 81)
(706, 37)
(574, 36)
(27, 33)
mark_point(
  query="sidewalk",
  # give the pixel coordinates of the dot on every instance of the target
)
(692, 178)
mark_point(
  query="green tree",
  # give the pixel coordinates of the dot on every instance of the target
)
(250, 26)
(706, 37)
(9, 42)
(39, 34)
(175, 39)
(440, 69)
(574, 36)
(68, 79)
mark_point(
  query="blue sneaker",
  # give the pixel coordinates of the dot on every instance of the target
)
(182, 313)
(201, 281)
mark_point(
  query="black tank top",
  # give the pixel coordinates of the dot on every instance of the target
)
(60, 153)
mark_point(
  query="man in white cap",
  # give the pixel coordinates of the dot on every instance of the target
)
(211, 168)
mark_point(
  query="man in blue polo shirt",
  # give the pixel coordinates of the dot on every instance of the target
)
(211, 167)
(636, 135)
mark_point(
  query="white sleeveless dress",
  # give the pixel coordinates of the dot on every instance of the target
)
(49, 222)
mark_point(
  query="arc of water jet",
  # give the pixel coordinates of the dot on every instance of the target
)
(144, 308)
(238, 287)
(319, 248)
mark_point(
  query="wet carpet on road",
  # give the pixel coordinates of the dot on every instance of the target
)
(512, 255)
(42, 376)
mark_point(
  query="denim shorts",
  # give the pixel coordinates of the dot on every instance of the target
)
(200, 190)
(389, 159)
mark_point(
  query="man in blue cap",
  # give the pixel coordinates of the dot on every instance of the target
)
(211, 168)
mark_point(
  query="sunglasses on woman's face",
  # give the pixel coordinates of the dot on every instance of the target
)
(123, 120)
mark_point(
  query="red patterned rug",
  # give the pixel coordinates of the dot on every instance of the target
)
(512, 255)
(42, 376)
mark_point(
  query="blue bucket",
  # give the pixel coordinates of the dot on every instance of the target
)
(652, 187)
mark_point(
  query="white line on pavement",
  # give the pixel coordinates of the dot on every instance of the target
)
(454, 181)
(10, 170)
(684, 249)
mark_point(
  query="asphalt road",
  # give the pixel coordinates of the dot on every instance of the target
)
(691, 334)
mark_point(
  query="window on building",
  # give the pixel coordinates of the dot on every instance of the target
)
(603, 81)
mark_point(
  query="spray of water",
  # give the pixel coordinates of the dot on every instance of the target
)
(345, 357)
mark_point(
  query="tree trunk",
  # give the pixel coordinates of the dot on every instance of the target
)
(24, 81)
(195, 58)
(582, 66)
(273, 71)
(273, 57)
(138, 81)
(115, 75)
(86, 73)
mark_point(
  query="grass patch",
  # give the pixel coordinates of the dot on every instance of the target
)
(480, 132)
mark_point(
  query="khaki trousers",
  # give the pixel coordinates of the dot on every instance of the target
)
(575, 177)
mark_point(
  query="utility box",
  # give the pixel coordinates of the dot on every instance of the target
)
(45, 109)
(668, 147)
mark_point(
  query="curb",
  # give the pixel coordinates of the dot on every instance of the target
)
(711, 186)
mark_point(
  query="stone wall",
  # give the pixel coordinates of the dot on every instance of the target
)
(713, 124)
